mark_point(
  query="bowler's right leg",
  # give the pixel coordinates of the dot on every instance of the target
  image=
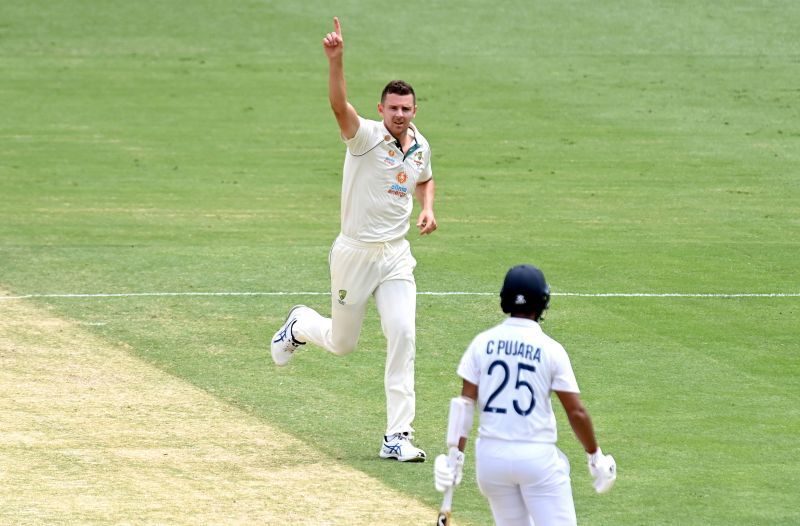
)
(354, 277)
(338, 335)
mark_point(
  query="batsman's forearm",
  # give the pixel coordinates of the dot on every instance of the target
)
(337, 89)
(582, 426)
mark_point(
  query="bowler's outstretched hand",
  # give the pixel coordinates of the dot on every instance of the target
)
(333, 43)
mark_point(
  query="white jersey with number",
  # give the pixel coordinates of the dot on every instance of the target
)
(379, 182)
(516, 366)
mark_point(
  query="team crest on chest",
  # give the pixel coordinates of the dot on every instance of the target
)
(342, 295)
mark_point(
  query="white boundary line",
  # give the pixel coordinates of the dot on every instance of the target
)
(429, 293)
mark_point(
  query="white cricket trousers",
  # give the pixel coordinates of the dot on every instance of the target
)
(526, 483)
(386, 271)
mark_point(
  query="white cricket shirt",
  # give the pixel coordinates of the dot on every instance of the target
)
(379, 182)
(516, 366)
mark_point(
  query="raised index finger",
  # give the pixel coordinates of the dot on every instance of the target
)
(337, 26)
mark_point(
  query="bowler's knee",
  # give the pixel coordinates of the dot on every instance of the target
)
(343, 345)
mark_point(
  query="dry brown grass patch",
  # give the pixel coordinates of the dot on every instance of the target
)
(91, 435)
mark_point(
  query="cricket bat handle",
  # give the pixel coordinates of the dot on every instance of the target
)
(447, 500)
(447, 506)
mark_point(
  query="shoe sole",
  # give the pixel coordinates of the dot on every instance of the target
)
(395, 457)
(289, 315)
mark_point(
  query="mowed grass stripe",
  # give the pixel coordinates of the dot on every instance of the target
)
(89, 434)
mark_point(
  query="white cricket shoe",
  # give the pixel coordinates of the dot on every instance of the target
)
(283, 342)
(399, 446)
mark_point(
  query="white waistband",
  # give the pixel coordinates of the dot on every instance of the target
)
(355, 243)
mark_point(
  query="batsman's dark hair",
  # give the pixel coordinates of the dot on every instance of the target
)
(525, 291)
(398, 87)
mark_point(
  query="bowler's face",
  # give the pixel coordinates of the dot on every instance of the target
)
(397, 111)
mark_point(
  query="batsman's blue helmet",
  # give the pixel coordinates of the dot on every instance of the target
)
(524, 291)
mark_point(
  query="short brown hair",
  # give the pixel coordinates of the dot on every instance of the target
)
(398, 87)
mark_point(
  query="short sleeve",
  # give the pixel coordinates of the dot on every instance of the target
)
(365, 138)
(563, 375)
(427, 171)
(470, 368)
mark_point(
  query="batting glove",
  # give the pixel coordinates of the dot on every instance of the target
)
(448, 470)
(603, 469)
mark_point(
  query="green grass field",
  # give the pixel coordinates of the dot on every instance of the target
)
(624, 147)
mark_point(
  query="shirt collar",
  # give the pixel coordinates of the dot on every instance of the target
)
(388, 138)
